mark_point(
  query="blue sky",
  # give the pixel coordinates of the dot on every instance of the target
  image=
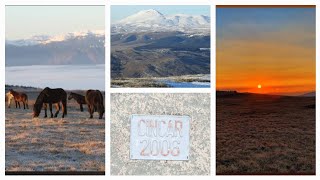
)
(26, 21)
(119, 12)
(262, 20)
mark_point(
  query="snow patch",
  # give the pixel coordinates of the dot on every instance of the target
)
(152, 20)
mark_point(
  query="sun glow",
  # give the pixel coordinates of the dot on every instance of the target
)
(259, 86)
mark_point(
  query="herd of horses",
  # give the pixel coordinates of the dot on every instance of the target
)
(49, 97)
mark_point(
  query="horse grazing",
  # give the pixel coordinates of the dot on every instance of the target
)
(79, 98)
(9, 97)
(94, 100)
(50, 96)
(19, 97)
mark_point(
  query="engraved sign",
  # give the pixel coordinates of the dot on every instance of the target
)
(159, 137)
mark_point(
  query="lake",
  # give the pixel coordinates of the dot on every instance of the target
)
(69, 77)
(187, 84)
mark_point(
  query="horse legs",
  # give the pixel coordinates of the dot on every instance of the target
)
(19, 104)
(50, 107)
(93, 109)
(9, 102)
(57, 110)
(16, 104)
(45, 110)
(81, 108)
(63, 110)
(24, 105)
(90, 109)
(101, 110)
(64, 107)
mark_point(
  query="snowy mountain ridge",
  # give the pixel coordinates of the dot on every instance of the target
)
(46, 39)
(153, 20)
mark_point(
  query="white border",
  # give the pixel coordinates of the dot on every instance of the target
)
(211, 90)
(2, 89)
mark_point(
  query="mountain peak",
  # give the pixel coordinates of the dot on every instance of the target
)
(153, 20)
(150, 12)
(45, 39)
(149, 16)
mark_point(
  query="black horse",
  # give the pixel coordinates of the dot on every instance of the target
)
(51, 96)
(79, 98)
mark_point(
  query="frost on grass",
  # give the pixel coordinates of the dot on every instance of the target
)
(75, 143)
(184, 81)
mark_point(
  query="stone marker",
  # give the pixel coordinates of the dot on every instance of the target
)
(159, 137)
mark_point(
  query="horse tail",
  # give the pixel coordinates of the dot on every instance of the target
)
(101, 96)
(101, 102)
(64, 104)
(27, 102)
(66, 109)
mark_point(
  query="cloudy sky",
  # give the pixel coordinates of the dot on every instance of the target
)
(26, 21)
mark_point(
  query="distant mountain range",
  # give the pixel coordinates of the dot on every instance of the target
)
(72, 48)
(152, 20)
(310, 94)
(150, 44)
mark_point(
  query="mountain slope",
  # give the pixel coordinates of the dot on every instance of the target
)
(85, 48)
(159, 54)
(310, 94)
(152, 20)
(151, 44)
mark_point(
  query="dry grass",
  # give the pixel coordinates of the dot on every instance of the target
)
(157, 81)
(75, 143)
(137, 82)
(261, 134)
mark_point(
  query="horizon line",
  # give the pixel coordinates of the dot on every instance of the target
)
(274, 94)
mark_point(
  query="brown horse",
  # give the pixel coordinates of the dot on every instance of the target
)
(79, 98)
(94, 99)
(51, 96)
(19, 97)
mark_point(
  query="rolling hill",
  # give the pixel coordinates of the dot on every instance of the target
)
(150, 44)
(73, 48)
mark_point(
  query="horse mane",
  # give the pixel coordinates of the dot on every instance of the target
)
(14, 93)
(45, 91)
(40, 98)
(77, 95)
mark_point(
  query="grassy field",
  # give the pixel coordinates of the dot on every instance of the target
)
(75, 143)
(160, 81)
(264, 134)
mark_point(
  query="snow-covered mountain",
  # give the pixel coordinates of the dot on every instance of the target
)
(72, 48)
(152, 20)
(46, 39)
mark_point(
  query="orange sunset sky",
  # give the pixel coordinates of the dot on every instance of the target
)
(273, 48)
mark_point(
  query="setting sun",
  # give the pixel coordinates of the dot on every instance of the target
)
(276, 52)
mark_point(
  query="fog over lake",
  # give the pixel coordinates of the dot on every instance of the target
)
(68, 77)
